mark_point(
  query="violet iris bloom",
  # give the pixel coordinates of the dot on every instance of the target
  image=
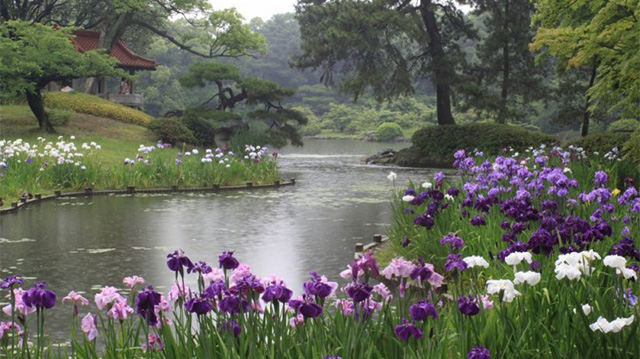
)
(468, 305)
(11, 281)
(405, 243)
(479, 352)
(478, 221)
(145, 306)
(454, 261)
(200, 306)
(233, 304)
(249, 282)
(200, 267)
(39, 297)
(227, 261)
(358, 291)
(177, 260)
(422, 310)
(452, 239)
(306, 307)
(319, 286)
(215, 289)
(277, 292)
(406, 330)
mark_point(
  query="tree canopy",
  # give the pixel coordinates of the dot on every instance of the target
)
(382, 46)
(34, 55)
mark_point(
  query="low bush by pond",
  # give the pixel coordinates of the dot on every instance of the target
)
(66, 165)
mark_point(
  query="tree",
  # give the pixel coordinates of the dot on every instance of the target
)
(504, 80)
(383, 45)
(602, 37)
(34, 55)
(231, 90)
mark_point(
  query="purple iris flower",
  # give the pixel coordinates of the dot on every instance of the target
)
(410, 192)
(277, 292)
(233, 304)
(453, 239)
(408, 211)
(478, 221)
(39, 297)
(468, 305)
(453, 191)
(421, 272)
(306, 307)
(479, 352)
(250, 282)
(317, 287)
(215, 290)
(422, 310)
(232, 326)
(29, 160)
(405, 242)
(601, 178)
(177, 260)
(406, 330)
(424, 220)
(200, 306)
(358, 291)
(332, 357)
(454, 261)
(11, 281)
(200, 267)
(145, 306)
(227, 261)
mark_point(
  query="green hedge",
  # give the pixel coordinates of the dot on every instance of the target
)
(624, 125)
(388, 131)
(172, 130)
(489, 138)
(602, 142)
(94, 105)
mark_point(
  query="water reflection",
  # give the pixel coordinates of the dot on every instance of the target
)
(80, 244)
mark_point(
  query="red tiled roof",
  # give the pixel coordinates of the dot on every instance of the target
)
(86, 40)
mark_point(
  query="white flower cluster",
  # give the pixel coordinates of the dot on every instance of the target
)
(44, 153)
(573, 265)
(254, 152)
(614, 326)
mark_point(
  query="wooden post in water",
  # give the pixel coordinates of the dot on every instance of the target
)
(216, 188)
(276, 183)
(174, 188)
(377, 238)
(131, 189)
(88, 191)
(359, 247)
(249, 185)
(14, 205)
(57, 193)
(38, 196)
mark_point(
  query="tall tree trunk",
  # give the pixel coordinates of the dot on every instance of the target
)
(443, 71)
(34, 99)
(502, 117)
(587, 113)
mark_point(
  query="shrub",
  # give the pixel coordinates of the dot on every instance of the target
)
(311, 129)
(204, 131)
(172, 130)
(93, 105)
(388, 131)
(602, 142)
(489, 138)
(59, 118)
(624, 125)
(632, 145)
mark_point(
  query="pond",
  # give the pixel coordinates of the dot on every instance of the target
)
(83, 244)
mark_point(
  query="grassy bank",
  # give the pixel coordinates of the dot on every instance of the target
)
(100, 147)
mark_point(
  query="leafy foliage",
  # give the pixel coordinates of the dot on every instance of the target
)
(171, 130)
(93, 105)
(602, 143)
(488, 138)
(598, 33)
(388, 131)
(624, 125)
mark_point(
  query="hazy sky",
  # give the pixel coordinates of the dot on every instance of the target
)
(252, 8)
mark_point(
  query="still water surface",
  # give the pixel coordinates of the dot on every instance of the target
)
(85, 243)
